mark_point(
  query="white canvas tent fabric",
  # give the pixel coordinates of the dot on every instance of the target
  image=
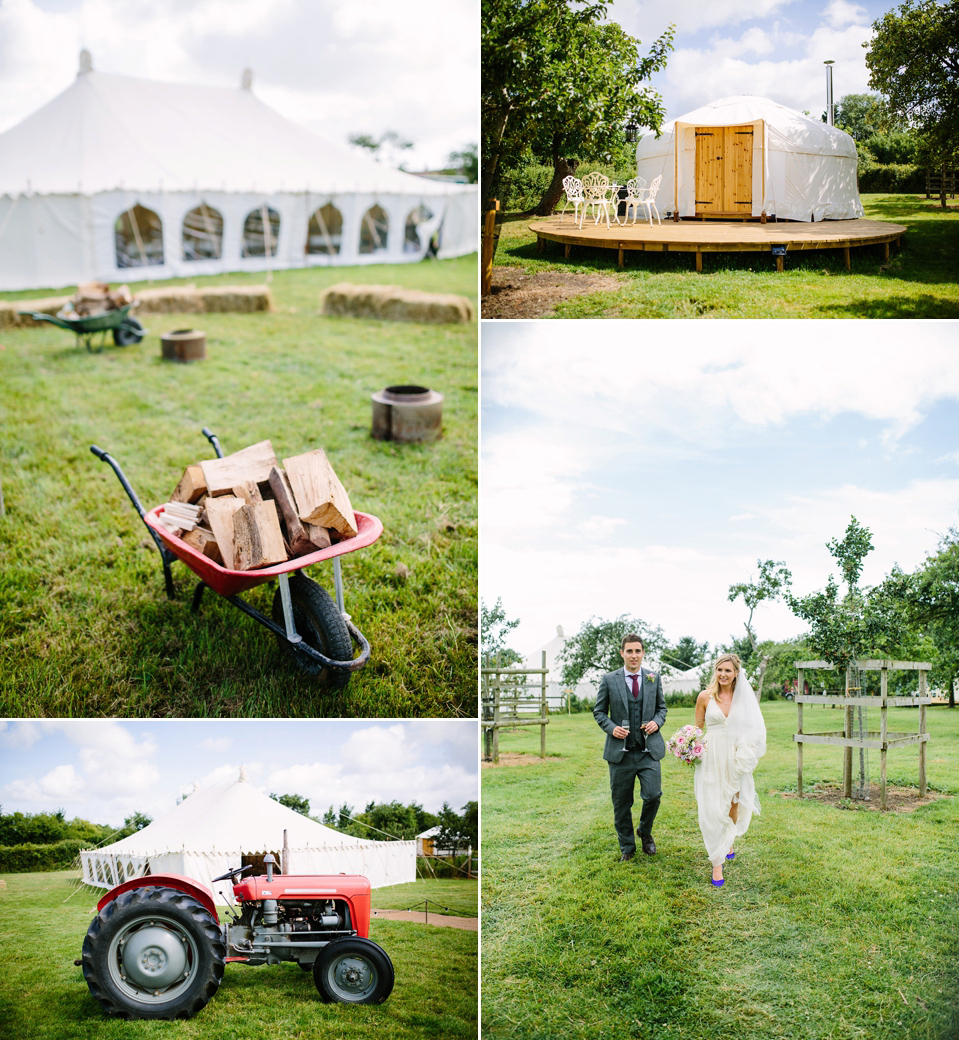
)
(210, 830)
(108, 143)
(802, 169)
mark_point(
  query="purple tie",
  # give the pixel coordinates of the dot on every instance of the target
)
(635, 679)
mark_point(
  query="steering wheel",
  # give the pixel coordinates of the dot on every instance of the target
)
(234, 873)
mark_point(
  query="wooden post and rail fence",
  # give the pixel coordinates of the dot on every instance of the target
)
(507, 702)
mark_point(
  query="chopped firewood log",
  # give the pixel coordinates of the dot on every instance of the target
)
(257, 539)
(249, 492)
(192, 486)
(252, 463)
(203, 541)
(219, 515)
(320, 497)
(302, 538)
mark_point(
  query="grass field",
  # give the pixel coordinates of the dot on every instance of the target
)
(85, 624)
(920, 281)
(43, 996)
(832, 924)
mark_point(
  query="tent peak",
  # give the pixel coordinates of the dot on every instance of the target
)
(86, 62)
(246, 80)
(243, 777)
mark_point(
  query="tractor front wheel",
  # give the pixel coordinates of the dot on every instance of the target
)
(353, 971)
(153, 953)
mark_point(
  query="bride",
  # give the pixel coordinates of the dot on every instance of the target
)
(728, 712)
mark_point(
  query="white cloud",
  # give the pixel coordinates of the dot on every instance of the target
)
(17, 734)
(841, 12)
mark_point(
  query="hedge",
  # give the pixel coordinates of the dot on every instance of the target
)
(445, 867)
(892, 178)
(23, 859)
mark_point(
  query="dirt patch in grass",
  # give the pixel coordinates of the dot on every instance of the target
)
(517, 294)
(514, 758)
(898, 799)
(468, 924)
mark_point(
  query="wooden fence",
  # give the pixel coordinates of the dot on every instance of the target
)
(509, 700)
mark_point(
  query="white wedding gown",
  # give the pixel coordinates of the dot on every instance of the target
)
(725, 772)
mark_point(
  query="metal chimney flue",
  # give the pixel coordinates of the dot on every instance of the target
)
(407, 413)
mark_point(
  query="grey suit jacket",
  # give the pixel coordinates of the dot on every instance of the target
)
(611, 703)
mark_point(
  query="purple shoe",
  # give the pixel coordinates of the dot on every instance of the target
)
(718, 884)
(732, 855)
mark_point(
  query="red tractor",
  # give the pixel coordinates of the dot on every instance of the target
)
(157, 949)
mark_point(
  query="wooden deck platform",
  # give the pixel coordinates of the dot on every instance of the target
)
(695, 236)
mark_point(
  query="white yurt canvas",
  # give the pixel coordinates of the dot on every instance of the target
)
(211, 829)
(745, 155)
(119, 178)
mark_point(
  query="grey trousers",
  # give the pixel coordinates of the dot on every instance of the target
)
(622, 783)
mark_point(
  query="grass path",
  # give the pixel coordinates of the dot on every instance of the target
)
(833, 924)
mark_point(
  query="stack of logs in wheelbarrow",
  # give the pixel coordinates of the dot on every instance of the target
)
(242, 520)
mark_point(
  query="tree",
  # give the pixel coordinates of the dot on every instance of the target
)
(774, 578)
(913, 59)
(392, 819)
(345, 817)
(454, 833)
(494, 628)
(329, 817)
(559, 77)
(388, 144)
(596, 646)
(293, 801)
(685, 654)
(467, 161)
(847, 628)
(929, 600)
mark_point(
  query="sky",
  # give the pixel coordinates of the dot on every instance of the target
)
(770, 48)
(334, 66)
(104, 770)
(642, 467)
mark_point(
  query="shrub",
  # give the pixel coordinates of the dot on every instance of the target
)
(22, 859)
(445, 867)
(892, 178)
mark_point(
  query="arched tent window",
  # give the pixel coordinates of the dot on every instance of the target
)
(411, 238)
(138, 235)
(325, 232)
(260, 239)
(374, 230)
(203, 234)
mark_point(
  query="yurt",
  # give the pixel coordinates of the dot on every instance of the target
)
(119, 178)
(743, 156)
(215, 828)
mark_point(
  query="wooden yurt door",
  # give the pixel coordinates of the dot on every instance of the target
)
(724, 170)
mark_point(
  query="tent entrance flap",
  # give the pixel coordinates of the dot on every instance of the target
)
(724, 170)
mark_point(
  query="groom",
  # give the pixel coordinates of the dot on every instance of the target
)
(633, 694)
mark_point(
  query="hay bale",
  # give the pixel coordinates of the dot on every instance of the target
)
(9, 319)
(241, 299)
(176, 299)
(394, 303)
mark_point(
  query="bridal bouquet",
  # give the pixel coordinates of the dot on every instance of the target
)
(687, 744)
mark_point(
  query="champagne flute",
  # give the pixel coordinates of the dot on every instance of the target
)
(626, 727)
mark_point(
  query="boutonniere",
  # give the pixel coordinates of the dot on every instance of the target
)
(650, 677)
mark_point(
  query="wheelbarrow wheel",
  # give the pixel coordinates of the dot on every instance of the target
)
(321, 625)
(131, 331)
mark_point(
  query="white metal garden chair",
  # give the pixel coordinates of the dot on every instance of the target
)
(573, 187)
(648, 200)
(634, 192)
(596, 195)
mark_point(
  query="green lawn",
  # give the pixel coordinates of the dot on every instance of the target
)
(920, 281)
(832, 924)
(43, 996)
(85, 625)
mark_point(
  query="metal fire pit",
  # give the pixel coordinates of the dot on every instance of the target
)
(413, 414)
(183, 345)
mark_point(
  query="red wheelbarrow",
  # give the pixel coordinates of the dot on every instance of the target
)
(309, 626)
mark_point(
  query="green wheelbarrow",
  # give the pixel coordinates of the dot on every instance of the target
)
(126, 329)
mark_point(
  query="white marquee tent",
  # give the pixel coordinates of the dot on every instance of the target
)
(211, 829)
(173, 180)
(744, 155)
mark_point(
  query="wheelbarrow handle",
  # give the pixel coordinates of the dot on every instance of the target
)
(212, 438)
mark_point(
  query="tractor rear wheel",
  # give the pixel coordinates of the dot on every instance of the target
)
(318, 620)
(353, 971)
(153, 953)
